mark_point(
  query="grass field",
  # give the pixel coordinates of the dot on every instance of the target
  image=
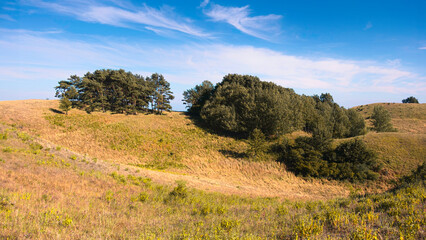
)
(405, 149)
(111, 176)
(167, 148)
(406, 118)
(50, 192)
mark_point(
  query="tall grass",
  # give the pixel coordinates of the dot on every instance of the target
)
(46, 194)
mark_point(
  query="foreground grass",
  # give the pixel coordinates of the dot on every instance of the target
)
(52, 193)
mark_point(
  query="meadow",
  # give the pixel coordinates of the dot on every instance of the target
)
(111, 176)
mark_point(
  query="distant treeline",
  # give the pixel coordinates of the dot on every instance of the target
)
(241, 103)
(117, 91)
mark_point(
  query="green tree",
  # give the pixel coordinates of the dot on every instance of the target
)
(109, 90)
(162, 94)
(410, 100)
(196, 97)
(382, 120)
(65, 105)
(357, 123)
(257, 144)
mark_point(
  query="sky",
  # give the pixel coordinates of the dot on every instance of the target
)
(359, 51)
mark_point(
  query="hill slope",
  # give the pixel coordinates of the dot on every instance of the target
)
(165, 148)
(404, 150)
(48, 192)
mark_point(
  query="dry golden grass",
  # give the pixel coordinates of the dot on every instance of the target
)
(47, 192)
(406, 118)
(165, 148)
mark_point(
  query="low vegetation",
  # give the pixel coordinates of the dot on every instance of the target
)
(46, 194)
(351, 160)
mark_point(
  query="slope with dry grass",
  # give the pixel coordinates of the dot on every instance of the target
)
(48, 192)
(406, 118)
(400, 151)
(166, 147)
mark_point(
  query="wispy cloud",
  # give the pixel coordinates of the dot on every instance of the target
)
(239, 17)
(7, 17)
(204, 3)
(422, 48)
(35, 58)
(368, 26)
(121, 14)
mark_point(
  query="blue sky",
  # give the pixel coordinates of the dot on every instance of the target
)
(359, 51)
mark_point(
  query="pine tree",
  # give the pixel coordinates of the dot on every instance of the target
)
(162, 94)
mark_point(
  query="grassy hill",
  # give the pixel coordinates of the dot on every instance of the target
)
(166, 148)
(405, 149)
(407, 118)
(52, 192)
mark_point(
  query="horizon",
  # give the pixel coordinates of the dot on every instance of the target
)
(359, 52)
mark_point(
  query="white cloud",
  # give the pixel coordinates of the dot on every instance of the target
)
(121, 15)
(422, 48)
(258, 26)
(204, 3)
(34, 58)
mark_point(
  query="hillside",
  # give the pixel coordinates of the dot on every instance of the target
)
(50, 191)
(165, 148)
(407, 118)
(405, 149)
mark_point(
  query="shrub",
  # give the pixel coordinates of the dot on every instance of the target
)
(351, 160)
(143, 197)
(179, 192)
(355, 161)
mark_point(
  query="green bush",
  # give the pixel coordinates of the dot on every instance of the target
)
(310, 157)
(179, 192)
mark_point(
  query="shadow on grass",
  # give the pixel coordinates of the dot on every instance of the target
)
(56, 111)
(197, 121)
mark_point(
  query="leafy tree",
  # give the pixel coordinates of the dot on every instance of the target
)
(68, 89)
(357, 123)
(381, 120)
(241, 103)
(196, 97)
(410, 100)
(65, 105)
(162, 95)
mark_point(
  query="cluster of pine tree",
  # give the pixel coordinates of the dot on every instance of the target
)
(117, 91)
(241, 103)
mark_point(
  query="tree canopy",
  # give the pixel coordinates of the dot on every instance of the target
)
(410, 100)
(117, 91)
(241, 103)
(382, 120)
